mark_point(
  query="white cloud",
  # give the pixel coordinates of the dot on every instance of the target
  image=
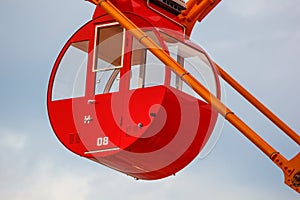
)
(12, 141)
(47, 182)
(28, 173)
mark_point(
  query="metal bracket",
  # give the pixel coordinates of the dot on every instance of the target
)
(291, 170)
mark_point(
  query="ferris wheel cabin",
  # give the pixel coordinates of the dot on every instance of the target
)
(112, 101)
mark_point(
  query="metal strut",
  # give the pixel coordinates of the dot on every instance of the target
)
(290, 168)
(264, 110)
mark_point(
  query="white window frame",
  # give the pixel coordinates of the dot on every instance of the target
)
(94, 68)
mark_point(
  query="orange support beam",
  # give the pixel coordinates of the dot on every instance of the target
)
(195, 11)
(263, 109)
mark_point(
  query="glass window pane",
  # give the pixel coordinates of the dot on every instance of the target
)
(135, 80)
(138, 60)
(108, 49)
(146, 69)
(155, 71)
(107, 81)
(113, 85)
(70, 78)
(195, 62)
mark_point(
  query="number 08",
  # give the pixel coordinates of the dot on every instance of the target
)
(102, 141)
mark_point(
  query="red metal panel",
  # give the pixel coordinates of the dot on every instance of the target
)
(177, 146)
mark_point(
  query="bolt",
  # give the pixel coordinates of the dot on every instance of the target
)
(297, 177)
(140, 125)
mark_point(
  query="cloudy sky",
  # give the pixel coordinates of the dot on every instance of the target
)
(256, 41)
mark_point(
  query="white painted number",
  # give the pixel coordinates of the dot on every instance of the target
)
(102, 141)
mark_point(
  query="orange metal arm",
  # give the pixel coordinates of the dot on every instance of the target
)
(291, 169)
(195, 11)
(279, 123)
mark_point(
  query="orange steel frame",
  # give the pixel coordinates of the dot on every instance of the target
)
(290, 168)
(195, 11)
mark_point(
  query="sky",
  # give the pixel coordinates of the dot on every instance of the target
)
(257, 42)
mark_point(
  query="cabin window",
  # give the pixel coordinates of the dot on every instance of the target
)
(70, 78)
(107, 81)
(194, 61)
(109, 45)
(146, 69)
